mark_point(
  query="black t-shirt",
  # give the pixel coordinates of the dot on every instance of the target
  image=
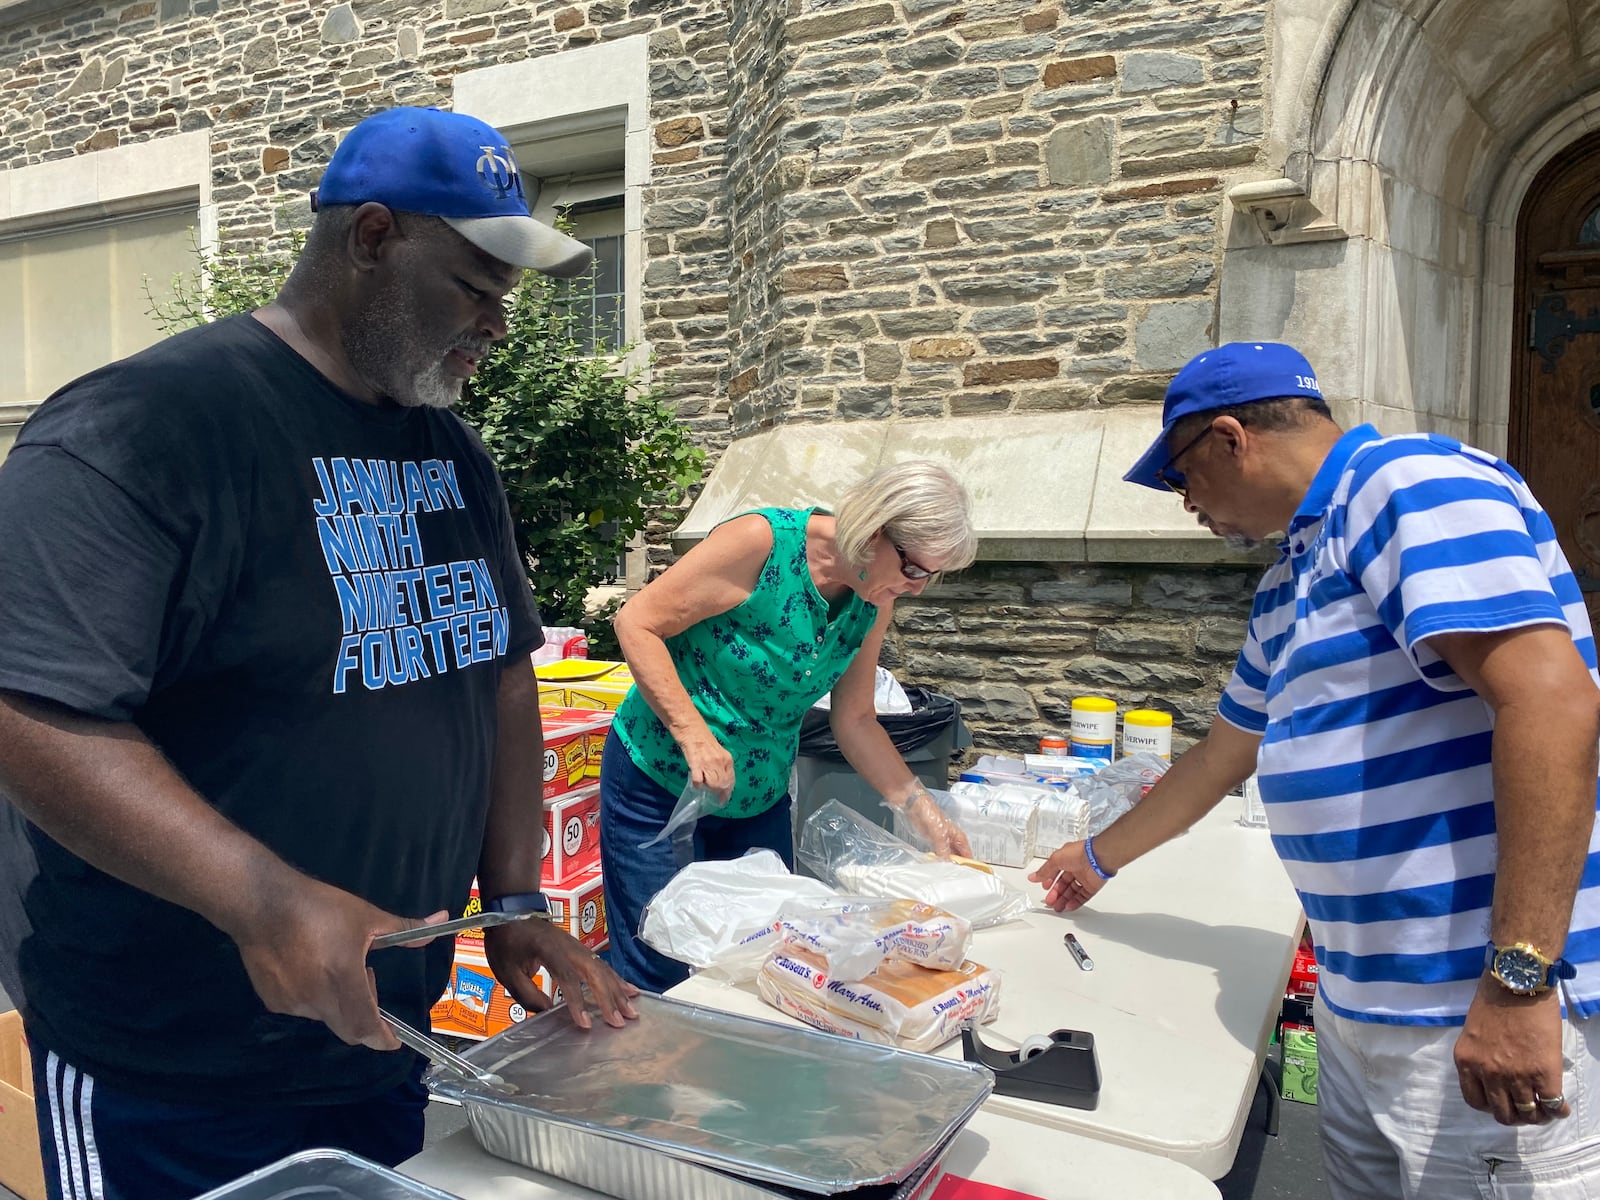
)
(305, 602)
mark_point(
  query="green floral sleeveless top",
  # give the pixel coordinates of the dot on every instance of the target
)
(752, 672)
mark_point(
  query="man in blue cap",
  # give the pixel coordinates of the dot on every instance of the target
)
(265, 694)
(1417, 697)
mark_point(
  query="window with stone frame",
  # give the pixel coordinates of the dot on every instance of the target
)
(88, 242)
(599, 317)
(73, 296)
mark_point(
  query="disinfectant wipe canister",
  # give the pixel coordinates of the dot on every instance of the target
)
(1145, 731)
(1094, 727)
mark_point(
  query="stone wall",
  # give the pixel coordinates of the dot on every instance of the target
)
(999, 207)
(1016, 644)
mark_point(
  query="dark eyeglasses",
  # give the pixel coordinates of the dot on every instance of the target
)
(910, 569)
(1175, 479)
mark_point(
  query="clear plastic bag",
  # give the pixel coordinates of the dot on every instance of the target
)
(696, 801)
(999, 822)
(855, 936)
(722, 917)
(860, 858)
(1120, 786)
(897, 1004)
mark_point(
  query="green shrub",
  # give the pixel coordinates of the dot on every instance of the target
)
(587, 451)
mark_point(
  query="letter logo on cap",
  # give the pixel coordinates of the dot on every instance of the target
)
(498, 169)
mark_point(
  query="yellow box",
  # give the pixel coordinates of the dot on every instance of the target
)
(600, 693)
(21, 1168)
(565, 670)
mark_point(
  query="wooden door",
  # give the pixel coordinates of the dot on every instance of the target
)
(1554, 434)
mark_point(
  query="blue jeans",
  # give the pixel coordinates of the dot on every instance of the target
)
(633, 809)
(103, 1143)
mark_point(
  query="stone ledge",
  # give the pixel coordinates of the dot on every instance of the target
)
(15, 12)
(1045, 487)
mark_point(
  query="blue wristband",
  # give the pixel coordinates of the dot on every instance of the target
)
(1094, 863)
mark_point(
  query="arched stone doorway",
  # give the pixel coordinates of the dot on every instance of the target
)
(1554, 434)
(1407, 133)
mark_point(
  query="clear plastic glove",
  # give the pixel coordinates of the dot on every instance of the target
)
(941, 835)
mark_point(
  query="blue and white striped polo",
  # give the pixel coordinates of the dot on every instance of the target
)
(1375, 756)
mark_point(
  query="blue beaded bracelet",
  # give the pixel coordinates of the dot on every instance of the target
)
(1094, 863)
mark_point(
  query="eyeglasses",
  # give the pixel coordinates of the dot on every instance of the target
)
(910, 569)
(1175, 479)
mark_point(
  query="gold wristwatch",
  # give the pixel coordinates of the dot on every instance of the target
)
(1523, 969)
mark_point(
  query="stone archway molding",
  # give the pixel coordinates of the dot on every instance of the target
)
(1306, 35)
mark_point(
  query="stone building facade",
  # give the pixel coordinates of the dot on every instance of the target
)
(866, 228)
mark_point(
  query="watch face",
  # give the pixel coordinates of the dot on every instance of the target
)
(1519, 970)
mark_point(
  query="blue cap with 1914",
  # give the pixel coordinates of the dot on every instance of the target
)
(1234, 373)
(451, 166)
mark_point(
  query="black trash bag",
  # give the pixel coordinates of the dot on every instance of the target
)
(931, 714)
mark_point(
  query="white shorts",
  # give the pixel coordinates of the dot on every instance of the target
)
(1394, 1124)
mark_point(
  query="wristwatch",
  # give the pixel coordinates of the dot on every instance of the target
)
(518, 902)
(1521, 968)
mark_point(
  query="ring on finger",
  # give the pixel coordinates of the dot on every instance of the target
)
(1551, 1103)
(1525, 1106)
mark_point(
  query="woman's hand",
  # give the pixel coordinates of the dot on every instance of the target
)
(710, 765)
(943, 836)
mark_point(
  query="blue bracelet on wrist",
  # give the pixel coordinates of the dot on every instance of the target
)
(1094, 863)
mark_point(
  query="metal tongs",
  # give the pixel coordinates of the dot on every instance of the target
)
(483, 920)
(448, 1059)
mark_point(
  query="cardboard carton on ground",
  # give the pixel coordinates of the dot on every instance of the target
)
(474, 1005)
(568, 734)
(21, 1168)
(579, 906)
(1300, 1064)
(571, 836)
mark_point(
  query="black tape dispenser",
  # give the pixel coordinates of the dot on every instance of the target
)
(1058, 1069)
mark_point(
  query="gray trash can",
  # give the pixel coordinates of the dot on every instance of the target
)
(927, 737)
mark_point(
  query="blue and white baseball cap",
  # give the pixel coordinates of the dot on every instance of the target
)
(452, 166)
(1234, 373)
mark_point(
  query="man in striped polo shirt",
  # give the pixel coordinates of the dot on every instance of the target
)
(1417, 695)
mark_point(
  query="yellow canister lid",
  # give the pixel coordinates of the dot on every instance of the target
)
(1095, 704)
(1146, 716)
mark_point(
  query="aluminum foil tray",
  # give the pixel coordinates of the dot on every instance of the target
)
(693, 1102)
(325, 1175)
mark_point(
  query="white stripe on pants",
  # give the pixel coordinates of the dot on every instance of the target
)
(1394, 1124)
(72, 1127)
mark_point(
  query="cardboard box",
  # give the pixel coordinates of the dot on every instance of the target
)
(571, 836)
(1300, 1064)
(604, 694)
(21, 1168)
(1303, 976)
(571, 736)
(567, 670)
(474, 1004)
(577, 905)
(580, 905)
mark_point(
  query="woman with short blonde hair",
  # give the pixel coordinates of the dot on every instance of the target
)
(730, 648)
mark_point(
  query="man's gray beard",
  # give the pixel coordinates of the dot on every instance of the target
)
(380, 344)
(1238, 541)
(431, 388)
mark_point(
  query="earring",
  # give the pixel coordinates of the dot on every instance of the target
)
(862, 577)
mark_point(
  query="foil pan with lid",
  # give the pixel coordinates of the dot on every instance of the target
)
(790, 1106)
